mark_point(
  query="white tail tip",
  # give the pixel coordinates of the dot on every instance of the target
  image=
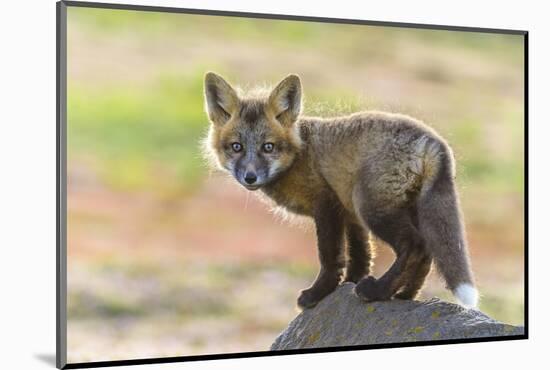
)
(467, 295)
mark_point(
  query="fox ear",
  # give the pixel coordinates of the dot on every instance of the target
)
(221, 100)
(285, 100)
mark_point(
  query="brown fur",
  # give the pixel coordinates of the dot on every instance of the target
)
(376, 172)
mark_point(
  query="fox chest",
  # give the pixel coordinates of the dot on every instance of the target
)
(296, 195)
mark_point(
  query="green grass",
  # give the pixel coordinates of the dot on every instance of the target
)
(141, 138)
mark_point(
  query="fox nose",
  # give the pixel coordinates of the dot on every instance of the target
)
(250, 178)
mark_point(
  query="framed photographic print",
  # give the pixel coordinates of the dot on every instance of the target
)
(237, 184)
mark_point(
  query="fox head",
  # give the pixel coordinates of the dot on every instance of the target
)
(255, 138)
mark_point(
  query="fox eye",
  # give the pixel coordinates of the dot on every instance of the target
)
(268, 147)
(237, 147)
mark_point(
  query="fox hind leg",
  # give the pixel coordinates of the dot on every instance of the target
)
(398, 231)
(415, 282)
(418, 268)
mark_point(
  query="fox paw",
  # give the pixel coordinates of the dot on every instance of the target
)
(309, 298)
(369, 290)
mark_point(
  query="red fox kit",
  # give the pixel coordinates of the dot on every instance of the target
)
(382, 173)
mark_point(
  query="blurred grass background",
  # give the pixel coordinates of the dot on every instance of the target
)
(167, 259)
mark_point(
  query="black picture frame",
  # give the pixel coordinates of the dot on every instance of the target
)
(61, 183)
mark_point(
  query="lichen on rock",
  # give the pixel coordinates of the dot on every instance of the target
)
(342, 319)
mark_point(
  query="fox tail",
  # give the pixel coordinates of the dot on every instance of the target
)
(441, 223)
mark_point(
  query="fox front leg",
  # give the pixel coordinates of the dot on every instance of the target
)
(360, 251)
(329, 226)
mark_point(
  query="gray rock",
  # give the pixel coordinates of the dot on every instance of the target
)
(342, 319)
